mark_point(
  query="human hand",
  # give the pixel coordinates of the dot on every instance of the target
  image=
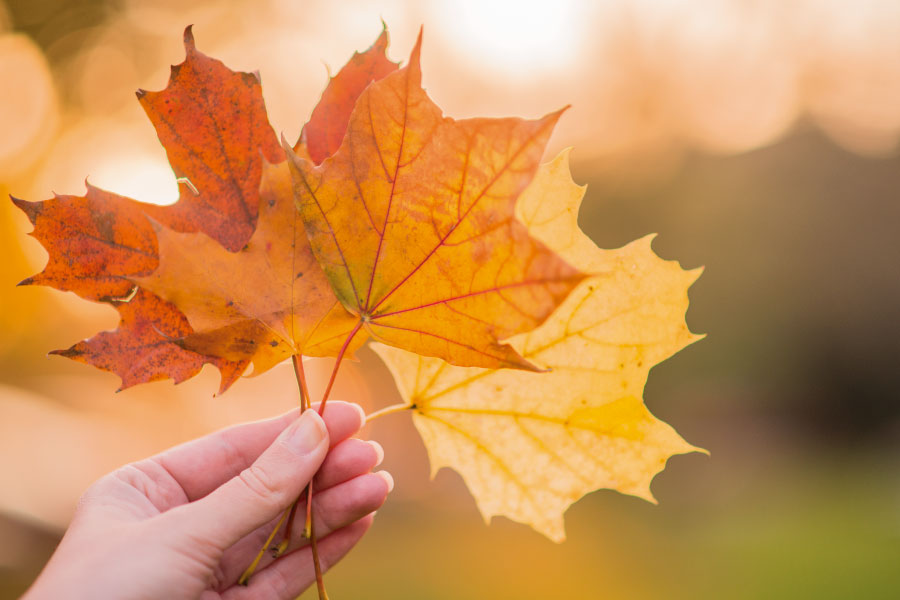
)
(187, 522)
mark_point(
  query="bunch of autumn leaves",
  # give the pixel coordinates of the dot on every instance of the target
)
(520, 347)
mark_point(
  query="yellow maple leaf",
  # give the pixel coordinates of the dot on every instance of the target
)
(528, 445)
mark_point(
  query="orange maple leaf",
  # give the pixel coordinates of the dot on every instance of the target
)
(141, 348)
(324, 132)
(95, 243)
(265, 303)
(413, 221)
(213, 124)
(271, 300)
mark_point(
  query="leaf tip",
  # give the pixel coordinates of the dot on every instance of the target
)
(26, 281)
(563, 156)
(416, 54)
(126, 382)
(554, 528)
(695, 273)
(554, 116)
(224, 384)
(521, 364)
(295, 154)
(288, 148)
(693, 338)
(189, 45)
(31, 209)
(72, 352)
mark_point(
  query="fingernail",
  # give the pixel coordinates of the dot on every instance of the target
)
(362, 415)
(379, 451)
(387, 479)
(306, 433)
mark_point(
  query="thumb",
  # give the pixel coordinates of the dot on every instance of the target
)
(259, 492)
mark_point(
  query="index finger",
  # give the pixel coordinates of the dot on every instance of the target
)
(202, 465)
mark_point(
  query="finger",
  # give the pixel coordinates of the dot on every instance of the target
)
(259, 492)
(202, 465)
(338, 506)
(346, 460)
(291, 574)
(333, 509)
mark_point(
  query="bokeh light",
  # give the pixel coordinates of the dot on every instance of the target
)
(28, 109)
(515, 38)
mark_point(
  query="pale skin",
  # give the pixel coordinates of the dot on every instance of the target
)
(187, 522)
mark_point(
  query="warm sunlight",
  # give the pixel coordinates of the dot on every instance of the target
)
(516, 38)
(750, 145)
(28, 110)
(137, 176)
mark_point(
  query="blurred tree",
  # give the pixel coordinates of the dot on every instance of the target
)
(801, 293)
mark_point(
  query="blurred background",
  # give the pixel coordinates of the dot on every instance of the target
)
(757, 137)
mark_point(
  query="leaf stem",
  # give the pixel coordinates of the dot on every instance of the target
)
(291, 511)
(245, 576)
(337, 364)
(304, 404)
(320, 583)
(389, 410)
(300, 375)
(288, 530)
(301, 381)
(309, 530)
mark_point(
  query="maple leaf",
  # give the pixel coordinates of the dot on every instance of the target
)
(412, 220)
(265, 303)
(323, 134)
(141, 350)
(213, 124)
(528, 445)
(95, 242)
(271, 300)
